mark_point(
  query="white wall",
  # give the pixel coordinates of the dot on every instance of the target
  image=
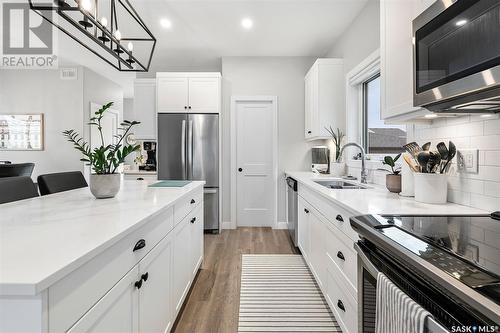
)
(278, 76)
(65, 105)
(481, 190)
(41, 91)
(360, 39)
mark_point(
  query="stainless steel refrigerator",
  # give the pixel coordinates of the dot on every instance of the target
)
(188, 149)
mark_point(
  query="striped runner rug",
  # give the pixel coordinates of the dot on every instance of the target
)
(279, 294)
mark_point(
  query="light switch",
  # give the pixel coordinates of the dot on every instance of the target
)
(468, 160)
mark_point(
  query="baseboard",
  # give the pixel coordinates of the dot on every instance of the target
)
(282, 225)
(228, 225)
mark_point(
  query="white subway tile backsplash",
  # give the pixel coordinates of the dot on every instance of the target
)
(481, 190)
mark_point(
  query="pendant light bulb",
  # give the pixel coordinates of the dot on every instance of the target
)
(104, 22)
(118, 35)
(130, 46)
(86, 5)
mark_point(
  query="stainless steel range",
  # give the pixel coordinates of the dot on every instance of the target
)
(450, 265)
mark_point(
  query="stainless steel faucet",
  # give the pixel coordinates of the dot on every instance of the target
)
(364, 174)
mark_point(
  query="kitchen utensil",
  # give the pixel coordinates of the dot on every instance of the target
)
(434, 161)
(413, 148)
(426, 146)
(443, 150)
(423, 159)
(452, 151)
(411, 163)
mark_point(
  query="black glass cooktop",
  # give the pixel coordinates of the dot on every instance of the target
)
(467, 248)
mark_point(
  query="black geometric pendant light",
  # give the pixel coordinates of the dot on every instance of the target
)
(111, 29)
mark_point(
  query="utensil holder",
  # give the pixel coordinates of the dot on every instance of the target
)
(407, 181)
(431, 188)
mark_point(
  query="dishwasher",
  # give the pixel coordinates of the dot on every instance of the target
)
(292, 209)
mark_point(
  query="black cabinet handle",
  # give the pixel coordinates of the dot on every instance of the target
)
(340, 255)
(193, 220)
(341, 305)
(185, 108)
(306, 210)
(138, 284)
(140, 178)
(189, 107)
(339, 218)
(240, 169)
(193, 201)
(139, 245)
(145, 276)
(309, 132)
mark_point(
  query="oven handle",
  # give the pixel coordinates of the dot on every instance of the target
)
(367, 264)
(431, 325)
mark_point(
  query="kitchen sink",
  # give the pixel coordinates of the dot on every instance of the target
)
(340, 185)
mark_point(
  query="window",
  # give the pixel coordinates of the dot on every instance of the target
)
(379, 138)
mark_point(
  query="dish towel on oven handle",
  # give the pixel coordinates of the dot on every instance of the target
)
(396, 312)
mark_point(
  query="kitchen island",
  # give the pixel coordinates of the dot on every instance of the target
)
(71, 262)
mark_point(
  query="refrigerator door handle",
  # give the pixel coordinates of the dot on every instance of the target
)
(190, 149)
(209, 191)
(183, 149)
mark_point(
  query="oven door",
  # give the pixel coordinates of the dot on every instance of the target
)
(367, 296)
(456, 50)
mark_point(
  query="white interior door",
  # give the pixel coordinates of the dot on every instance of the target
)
(255, 135)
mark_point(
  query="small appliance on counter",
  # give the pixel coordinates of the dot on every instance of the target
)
(437, 261)
(320, 159)
(150, 148)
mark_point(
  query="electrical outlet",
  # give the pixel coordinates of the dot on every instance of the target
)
(468, 160)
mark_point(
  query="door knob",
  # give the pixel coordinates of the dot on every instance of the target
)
(240, 169)
(340, 255)
(339, 218)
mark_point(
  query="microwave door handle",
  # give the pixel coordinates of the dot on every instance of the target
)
(183, 148)
(367, 264)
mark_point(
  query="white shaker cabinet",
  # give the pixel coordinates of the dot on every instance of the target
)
(324, 98)
(188, 92)
(145, 109)
(396, 55)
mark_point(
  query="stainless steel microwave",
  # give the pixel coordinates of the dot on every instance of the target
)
(456, 57)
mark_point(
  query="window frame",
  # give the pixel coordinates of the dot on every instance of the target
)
(364, 112)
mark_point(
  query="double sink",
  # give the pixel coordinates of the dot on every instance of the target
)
(339, 184)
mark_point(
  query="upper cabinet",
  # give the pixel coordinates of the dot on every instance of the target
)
(396, 52)
(145, 109)
(324, 100)
(188, 92)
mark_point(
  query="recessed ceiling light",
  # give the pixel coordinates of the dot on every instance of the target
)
(247, 23)
(431, 116)
(486, 115)
(166, 23)
(460, 23)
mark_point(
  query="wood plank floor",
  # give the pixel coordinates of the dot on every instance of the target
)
(213, 303)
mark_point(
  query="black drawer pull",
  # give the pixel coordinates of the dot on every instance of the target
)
(309, 132)
(138, 284)
(193, 220)
(140, 178)
(306, 210)
(341, 305)
(339, 218)
(145, 276)
(340, 255)
(185, 108)
(139, 245)
(193, 201)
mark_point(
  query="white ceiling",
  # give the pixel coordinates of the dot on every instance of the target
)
(203, 31)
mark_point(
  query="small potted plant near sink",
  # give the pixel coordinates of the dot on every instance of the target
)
(105, 159)
(337, 167)
(393, 179)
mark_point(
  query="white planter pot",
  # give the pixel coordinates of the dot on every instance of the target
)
(104, 186)
(431, 188)
(337, 169)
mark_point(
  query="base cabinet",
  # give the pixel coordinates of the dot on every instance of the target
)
(116, 312)
(326, 241)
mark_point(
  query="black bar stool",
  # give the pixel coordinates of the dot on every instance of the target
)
(60, 182)
(16, 170)
(16, 188)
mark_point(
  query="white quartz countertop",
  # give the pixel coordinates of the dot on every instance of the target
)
(43, 239)
(378, 200)
(139, 172)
